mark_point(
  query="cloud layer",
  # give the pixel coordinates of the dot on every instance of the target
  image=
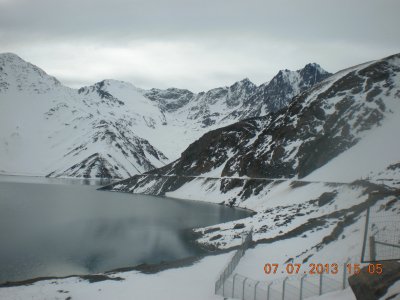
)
(195, 44)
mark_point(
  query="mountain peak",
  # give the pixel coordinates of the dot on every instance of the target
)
(113, 83)
(16, 73)
(246, 80)
(106, 86)
(9, 56)
(277, 93)
(312, 65)
(316, 67)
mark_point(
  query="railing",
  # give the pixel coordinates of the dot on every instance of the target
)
(382, 233)
(289, 288)
(295, 287)
(222, 279)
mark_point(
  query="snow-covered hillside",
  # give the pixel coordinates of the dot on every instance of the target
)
(109, 129)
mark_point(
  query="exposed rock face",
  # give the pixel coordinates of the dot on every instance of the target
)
(367, 286)
(276, 94)
(239, 101)
(170, 99)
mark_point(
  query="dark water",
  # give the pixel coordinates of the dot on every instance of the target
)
(64, 229)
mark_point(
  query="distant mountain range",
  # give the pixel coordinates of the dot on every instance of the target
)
(113, 129)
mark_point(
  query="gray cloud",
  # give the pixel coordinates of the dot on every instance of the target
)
(195, 44)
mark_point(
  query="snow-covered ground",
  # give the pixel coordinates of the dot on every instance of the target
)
(346, 294)
(194, 282)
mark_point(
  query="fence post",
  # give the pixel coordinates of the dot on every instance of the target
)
(320, 283)
(365, 235)
(269, 285)
(284, 286)
(233, 286)
(301, 286)
(223, 283)
(372, 249)
(345, 273)
(255, 290)
(244, 282)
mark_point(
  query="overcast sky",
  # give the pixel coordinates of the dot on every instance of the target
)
(198, 44)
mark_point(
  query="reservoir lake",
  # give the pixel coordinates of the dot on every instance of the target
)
(57, 227)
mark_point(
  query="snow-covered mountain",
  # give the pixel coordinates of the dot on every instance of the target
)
(49, 129)
(112, 128)
(349, 118)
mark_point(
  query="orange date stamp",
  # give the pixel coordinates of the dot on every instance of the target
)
(317, 269)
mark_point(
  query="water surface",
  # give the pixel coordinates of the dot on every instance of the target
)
(63, 229)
